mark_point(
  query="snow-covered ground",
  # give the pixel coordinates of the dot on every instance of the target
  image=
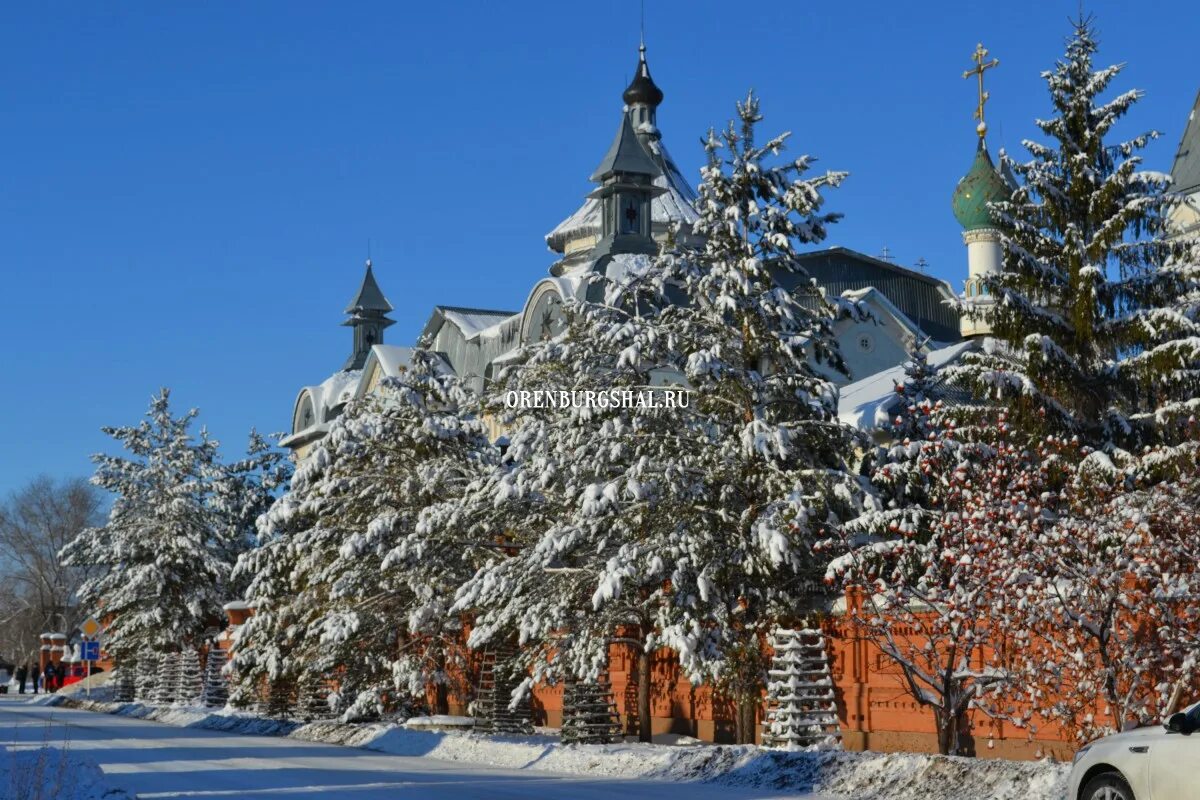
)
(150, 760)
(724, 771)
(47, 772)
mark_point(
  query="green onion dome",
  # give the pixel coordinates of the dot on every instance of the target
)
(981, 185)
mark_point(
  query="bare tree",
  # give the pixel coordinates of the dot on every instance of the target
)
(39, 593)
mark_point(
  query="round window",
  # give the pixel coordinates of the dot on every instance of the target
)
(866, 342)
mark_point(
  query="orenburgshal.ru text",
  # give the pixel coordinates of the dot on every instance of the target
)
(604, 398)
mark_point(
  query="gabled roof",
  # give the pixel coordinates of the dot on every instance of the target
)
(468, 320)
(370, 296)
(626, 155)
(1185, 172)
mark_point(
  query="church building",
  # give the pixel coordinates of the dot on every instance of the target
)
(640, 197)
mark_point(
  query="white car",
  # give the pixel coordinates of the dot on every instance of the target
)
(1158, 763)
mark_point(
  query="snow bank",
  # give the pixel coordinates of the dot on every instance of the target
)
(99, 685)
(834, 774)
(439, 721)
(50, 773)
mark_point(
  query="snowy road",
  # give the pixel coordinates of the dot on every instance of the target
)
(153, 760)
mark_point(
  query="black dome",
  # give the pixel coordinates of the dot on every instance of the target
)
(642, 89)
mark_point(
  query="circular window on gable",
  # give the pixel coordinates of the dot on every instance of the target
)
(866, 342)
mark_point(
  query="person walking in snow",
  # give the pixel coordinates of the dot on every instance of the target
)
(22, 674)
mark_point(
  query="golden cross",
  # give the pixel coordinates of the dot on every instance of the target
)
(978, 56)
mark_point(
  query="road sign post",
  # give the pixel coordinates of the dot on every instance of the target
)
(89, 649)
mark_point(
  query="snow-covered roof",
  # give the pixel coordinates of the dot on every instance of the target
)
(391, 358)
(874, 295)
(325, 397)
(237, 605)
(472, 321)
(866, 404)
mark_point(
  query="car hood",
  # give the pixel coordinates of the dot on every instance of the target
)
(1134, 735)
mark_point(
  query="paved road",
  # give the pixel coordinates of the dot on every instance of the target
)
(152, 760)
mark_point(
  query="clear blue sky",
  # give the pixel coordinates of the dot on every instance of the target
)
(188, 189)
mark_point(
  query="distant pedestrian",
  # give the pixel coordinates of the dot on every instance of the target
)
(50, 678)
(35, 676)
(22, 674)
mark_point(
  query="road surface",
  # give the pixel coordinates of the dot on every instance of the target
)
(153, 760)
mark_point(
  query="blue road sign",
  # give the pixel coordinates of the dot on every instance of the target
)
(90, 651)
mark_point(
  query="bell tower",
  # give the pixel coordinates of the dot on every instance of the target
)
(368, 318)
(626, 177)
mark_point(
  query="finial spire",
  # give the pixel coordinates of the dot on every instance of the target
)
(978, 57)
(642, 31)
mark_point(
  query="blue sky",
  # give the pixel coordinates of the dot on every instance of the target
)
(189, 189)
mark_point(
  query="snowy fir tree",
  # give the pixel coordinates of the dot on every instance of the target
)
(578, 490)
(906, 472)
(1095, 311)
(216, 686)
(191, 678)
(686, 528)
(243, 491)
(767, 451)
(346, 582)
(157, 563)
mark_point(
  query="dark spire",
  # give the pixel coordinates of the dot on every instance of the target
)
(642, 89)
(626, 155)
(369, 297)
(366, 311)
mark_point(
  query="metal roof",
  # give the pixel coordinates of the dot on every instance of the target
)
(1185, 172)
(370, 296)
(922, 298)
(626, 155)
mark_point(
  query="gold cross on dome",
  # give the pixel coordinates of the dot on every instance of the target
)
(978, 57)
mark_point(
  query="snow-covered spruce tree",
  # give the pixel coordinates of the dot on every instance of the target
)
(906, 472)
(938, 598)
(579, 488)
(243, 491)
(768, 455)
(158, 568)
(344, 582)
(689, 528)
(1095, 311)
(1108, 595)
